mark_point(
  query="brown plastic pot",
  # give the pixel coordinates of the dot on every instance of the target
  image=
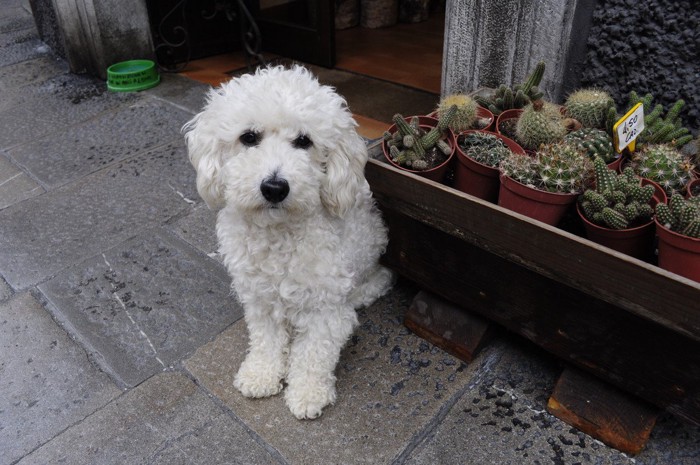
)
(544, 206)
(678, 253)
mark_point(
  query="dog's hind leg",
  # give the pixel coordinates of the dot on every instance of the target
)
(265, 365)
(314, 355)
(378, 283)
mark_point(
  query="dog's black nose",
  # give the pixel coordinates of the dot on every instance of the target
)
(274, 189)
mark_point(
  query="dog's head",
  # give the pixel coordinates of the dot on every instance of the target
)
(276, 141)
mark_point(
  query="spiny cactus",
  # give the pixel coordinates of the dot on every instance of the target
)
(506, 98)
(540, 123)
(659, 129)
(618, 200)
(411, 145)
(680, 215)
(665, 165)
(595, 142)
(464, 117)
(589, 106)
(484, 148)
(554, 168)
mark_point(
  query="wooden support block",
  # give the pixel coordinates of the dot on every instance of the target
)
(602, 411)
(451, 328)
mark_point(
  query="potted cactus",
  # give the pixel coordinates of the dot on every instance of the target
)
(678, 228)
(665, 165)
(618, 211)
(540, 123)
(595, 143)
(421, 145)
(506, 98)
(589, 106)
(545, 185)
(469, 114)
(478, 155)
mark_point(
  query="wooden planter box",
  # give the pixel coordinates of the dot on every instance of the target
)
(622, 320)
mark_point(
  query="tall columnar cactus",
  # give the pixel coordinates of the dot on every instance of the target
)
(665, 165)
(618, 200)
(589, 106)
(540, 123)
(506, 98)
(464, 117)
(659, 128)
(410, 144)
(680, 215)
(595, 142)
(554, 168)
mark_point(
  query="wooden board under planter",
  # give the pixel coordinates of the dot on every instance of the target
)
(625, 321)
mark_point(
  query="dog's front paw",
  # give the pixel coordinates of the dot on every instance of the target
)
(307, 400)
(257, 379)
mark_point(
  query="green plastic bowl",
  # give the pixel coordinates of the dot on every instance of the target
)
(132, 76)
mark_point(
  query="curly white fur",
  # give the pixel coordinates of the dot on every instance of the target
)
(278, 153)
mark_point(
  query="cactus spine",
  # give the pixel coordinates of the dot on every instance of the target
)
(540, 123)
(485, 148)
(680, 215)
(664, 165)
(589, 106)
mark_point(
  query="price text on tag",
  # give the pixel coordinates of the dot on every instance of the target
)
(628, 128)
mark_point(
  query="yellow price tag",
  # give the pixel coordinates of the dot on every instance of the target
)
(628, 128)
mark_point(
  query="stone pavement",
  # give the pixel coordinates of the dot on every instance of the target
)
(119, 337)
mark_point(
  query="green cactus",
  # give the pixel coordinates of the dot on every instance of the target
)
(411, 146)
(618, 200)
(680, 215)
(464, 117)
(483, 147)
(595, 142)
(506, 98)
(589, 106)
(540, 123)
(659, 129)
(554, 168)
(665, 165)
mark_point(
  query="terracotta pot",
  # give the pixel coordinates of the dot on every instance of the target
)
(692, 189)
(678, 253)
(507, 115)
(548, 207)
(475, 178)
(437, 173)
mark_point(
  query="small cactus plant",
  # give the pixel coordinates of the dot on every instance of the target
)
(413, 147)
(485, 148)
(540, 123)
(554, 168)
(506, 98)
(595, 142)
(665, 165)
(680, 215)
(618, 200)
(659, 129)
(589, 106)
(465, 116)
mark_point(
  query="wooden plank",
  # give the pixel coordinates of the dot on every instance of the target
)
(441, 323)
(601, 411)
(639, 355)
(638, 287)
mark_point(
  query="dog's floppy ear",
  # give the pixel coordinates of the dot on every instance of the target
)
(345, 173)
(205, 155)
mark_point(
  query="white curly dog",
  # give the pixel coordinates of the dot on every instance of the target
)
(279, 155)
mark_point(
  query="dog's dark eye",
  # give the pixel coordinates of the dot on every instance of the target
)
(249, 138)
(302, 142)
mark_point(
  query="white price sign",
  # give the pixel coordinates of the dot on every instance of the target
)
(628, 128)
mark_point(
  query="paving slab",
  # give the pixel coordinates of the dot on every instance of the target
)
(180, 90)
(46, 234)
(60, 158)
(15, 184)
(144, 305)
(15, 18)
(46, 381)
(20, 45)
(502, 419)
(391, 386)
(198, 229)
(166, 420)
(31, 71)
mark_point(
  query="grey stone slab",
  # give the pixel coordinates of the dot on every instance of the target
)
(180, 90)
(502, 419)
(5, 290)
(143, 305)
(199, 229)
(391, 385)
(166, 420)
(15, 185)
(52, 105)
(46, 234)
(31, 72)
(81, 149)
(15, 18)
(21, 45)
(46, 381)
